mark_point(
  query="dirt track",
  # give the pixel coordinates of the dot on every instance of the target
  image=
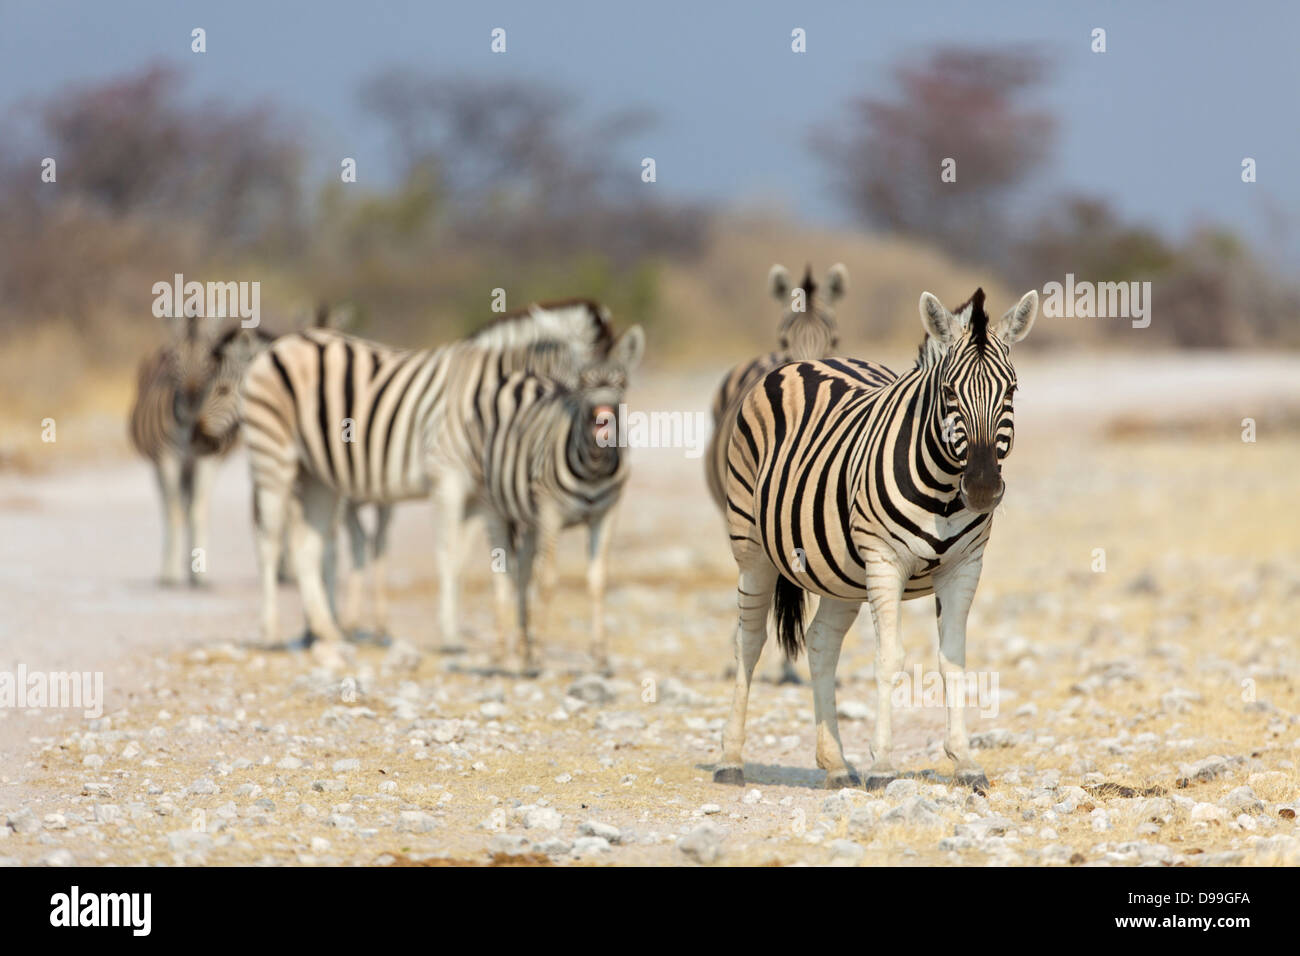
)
(1176, 665)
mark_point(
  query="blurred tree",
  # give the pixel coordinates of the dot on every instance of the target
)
(132, 145)
(958, 103)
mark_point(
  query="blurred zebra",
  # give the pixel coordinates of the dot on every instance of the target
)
(808, 332)
(884, 493)
(331, 419)
(184, 419)
(549, 460)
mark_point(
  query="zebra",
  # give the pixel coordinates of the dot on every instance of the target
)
(854, 483)
(184, 420)
(807, 330)
(550, 459)
(329, 418)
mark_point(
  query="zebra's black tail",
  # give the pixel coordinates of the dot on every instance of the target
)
(787, 609)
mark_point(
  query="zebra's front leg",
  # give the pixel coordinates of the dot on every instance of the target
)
(503, 566)
(825, 637)
(954, 590)
(270, 506)
(379, 569)
(169, 469)
(359, 549)
(200, 503)
(524, 556)
(451, 499)
(546, 539)
(597, 559)
(885, 583)
(754, 598)
(314, 536)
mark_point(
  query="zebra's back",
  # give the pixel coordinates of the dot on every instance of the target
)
(345, 409)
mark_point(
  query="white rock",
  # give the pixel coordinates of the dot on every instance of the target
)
(703, 844)
(596, 828)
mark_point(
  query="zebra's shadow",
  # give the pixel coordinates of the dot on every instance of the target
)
(774, 775)
(814, 778)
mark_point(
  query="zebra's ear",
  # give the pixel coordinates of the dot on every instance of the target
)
(1015, 325)
(837, 282)
(939, 323)
(629, 348)
(778, 282)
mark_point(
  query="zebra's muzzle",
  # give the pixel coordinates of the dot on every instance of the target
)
(604, 425)
(981, 486)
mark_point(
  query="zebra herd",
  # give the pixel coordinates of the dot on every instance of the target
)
(835, 476)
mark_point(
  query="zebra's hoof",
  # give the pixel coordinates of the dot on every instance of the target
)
(974, 779)
(732, 776)
(878, 780)
(843, 781)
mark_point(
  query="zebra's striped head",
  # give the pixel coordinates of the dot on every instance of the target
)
(601, 383)
(218, 416)
(808, 329)
(188, 364)
(972, 385)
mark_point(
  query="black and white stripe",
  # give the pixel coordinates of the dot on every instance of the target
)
(807, 330)
(856, 484)
(184, 419)
(550, 460)
(329, 418)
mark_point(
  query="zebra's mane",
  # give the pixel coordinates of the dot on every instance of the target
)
(971, 319)
(579, 323)
(808, 285)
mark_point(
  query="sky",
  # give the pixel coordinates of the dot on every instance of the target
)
(1158, 125)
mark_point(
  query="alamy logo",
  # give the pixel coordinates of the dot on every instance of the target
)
(688, 430)
(74, 908)
(1098, 300)
(36, 690)
(210, 300)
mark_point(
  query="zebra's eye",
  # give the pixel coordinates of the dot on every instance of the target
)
(949, 394)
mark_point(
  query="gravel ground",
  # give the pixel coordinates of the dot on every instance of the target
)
(1144, 714)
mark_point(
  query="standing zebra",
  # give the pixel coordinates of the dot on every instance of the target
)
(856, 484)
(807, 331)
(549, 460)
(329, 418)
(183, 419)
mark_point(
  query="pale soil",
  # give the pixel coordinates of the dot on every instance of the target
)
(214, 749)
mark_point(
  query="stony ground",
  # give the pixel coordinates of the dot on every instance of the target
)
(1138, 612)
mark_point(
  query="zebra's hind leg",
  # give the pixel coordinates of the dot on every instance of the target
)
(954, 591)
(169, 469)
(314, 538)
(825, 637)
(754, 596)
